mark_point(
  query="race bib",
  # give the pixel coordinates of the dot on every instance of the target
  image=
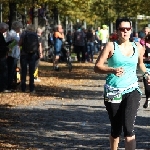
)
(112, 96)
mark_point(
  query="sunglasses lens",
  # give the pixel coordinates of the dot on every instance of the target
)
(123, 29)
(128, 29)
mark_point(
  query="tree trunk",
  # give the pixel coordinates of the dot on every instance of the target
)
(12, 13)
(55, 14)
(35, 18)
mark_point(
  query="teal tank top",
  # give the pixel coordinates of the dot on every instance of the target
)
(128, 63)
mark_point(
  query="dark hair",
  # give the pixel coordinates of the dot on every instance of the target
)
(147, 37)
(90, 30)
(119, 20)
(78, 26)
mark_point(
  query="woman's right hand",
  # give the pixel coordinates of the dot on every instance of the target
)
(119, 71)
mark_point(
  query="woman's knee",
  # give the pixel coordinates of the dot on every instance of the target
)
(129, 132)
(130, 138)
(116, 130)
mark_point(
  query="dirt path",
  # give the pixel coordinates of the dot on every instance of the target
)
(74, 118)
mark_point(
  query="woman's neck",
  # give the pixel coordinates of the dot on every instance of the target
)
(123, 42)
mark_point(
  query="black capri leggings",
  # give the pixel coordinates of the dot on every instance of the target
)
(147, 88)
(124, 114)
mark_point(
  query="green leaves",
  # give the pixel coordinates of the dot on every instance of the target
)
(89, 10)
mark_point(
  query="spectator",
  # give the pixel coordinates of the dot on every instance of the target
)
(14, 52)
(142, 40)
(28, 59)
(136, 37)
(104, 36)
(98, 40)
(39, 34)
(90, 44)
(3, 58)
(147, 64)
(50, 38)
(58, 37)
(143, 34)
(113, 37)
(146, 30)
(69, 39)
(79, 44)
(95, 42)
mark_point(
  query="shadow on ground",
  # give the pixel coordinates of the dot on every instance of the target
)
(69, 93)
(71, 128)
(68, 127)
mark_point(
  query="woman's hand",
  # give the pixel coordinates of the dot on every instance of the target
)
(147, 77)
(119, 71)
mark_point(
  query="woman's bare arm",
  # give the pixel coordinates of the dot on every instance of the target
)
(100, 66)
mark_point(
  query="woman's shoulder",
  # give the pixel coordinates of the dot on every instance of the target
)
(138, 44)
(139, 47)
(110, 44)
(57, 34)
(109, 47)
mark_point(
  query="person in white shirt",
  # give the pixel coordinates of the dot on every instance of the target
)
(104, 36)
(14, 52)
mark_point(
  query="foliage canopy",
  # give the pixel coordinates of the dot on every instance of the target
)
(90, 10)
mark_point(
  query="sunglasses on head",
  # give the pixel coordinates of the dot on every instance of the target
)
(122, 29)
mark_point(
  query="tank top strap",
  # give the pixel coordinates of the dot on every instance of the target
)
(134, 44)
(135, 47)
(115, 46)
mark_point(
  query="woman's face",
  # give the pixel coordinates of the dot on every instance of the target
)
(60, 28)
(124, 31)
(146, 31)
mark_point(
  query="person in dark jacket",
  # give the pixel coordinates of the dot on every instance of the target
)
(3, 58)
(79, 44)
(69, 39)
(28, 59)
(90, 44)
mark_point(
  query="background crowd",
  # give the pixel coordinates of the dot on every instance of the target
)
(83, 42)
